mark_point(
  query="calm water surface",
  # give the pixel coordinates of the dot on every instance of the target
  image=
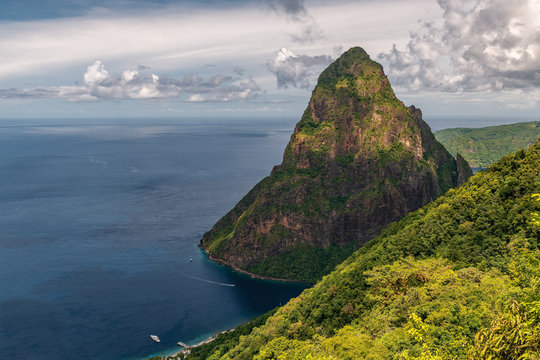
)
(100, 220)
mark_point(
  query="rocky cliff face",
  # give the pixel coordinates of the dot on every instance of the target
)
(357, 160)
(463, 168)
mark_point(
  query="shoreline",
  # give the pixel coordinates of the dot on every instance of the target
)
(245, 272)
(187, 350)
(210, 339)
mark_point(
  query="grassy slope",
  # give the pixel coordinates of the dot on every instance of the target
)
(482, 147)
(428, 286)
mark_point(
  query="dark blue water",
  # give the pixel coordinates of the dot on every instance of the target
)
(99, 221)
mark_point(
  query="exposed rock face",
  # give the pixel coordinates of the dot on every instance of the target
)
(464, 170)
(357, 160)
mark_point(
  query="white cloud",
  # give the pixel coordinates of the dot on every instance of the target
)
(42, 55)
(295, 70)
(176, 37)
(132, 84)
(166, 39)
(95, 74)
(481, 45)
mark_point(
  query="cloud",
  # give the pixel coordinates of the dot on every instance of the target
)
(238, 70)
(296, 11)
(245, 90)
(70, 93)
(295, 70)
(481, 45)
(152, 37)
(293, 8)
(99, 84)
(310, 33)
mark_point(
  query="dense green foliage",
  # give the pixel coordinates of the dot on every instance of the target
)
(457, 279)
(303, 262)
(482, 147)
(514, 334)
(224, 341)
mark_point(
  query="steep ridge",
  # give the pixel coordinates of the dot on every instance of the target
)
(358, 160)
(483, 146)
(456, 279)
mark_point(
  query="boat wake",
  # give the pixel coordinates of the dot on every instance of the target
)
(97, 161)
(209, 281)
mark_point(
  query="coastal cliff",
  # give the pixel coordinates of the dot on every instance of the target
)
(358, 160)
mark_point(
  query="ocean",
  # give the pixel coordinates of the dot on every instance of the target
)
(100, 221)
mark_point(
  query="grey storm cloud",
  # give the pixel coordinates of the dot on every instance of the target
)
(296, 11)
(295, 70)
(482, 45)
(310, 32)
(294, 8)
(132, 84)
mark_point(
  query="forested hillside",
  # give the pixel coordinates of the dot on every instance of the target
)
(482, 147)
(457, 279)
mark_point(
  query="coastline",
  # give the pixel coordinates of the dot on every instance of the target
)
(187, 350)
(252, 275)
(210, 339)
(173, 355)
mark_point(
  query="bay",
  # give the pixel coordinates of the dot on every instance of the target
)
(100, 221)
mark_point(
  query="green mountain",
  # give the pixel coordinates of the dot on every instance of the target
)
(482, 147)
(358, 160)
(456, 279)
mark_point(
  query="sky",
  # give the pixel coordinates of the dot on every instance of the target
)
(468, 59)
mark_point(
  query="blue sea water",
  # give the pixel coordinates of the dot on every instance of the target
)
(99, 221)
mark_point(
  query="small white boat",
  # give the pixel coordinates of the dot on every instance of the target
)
(155, 338)
(190, 260)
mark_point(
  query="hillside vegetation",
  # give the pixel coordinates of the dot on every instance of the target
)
(456, 279)
(482, 147)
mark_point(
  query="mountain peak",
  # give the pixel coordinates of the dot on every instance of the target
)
(353, 61)
(356, 64)
(357, 160)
